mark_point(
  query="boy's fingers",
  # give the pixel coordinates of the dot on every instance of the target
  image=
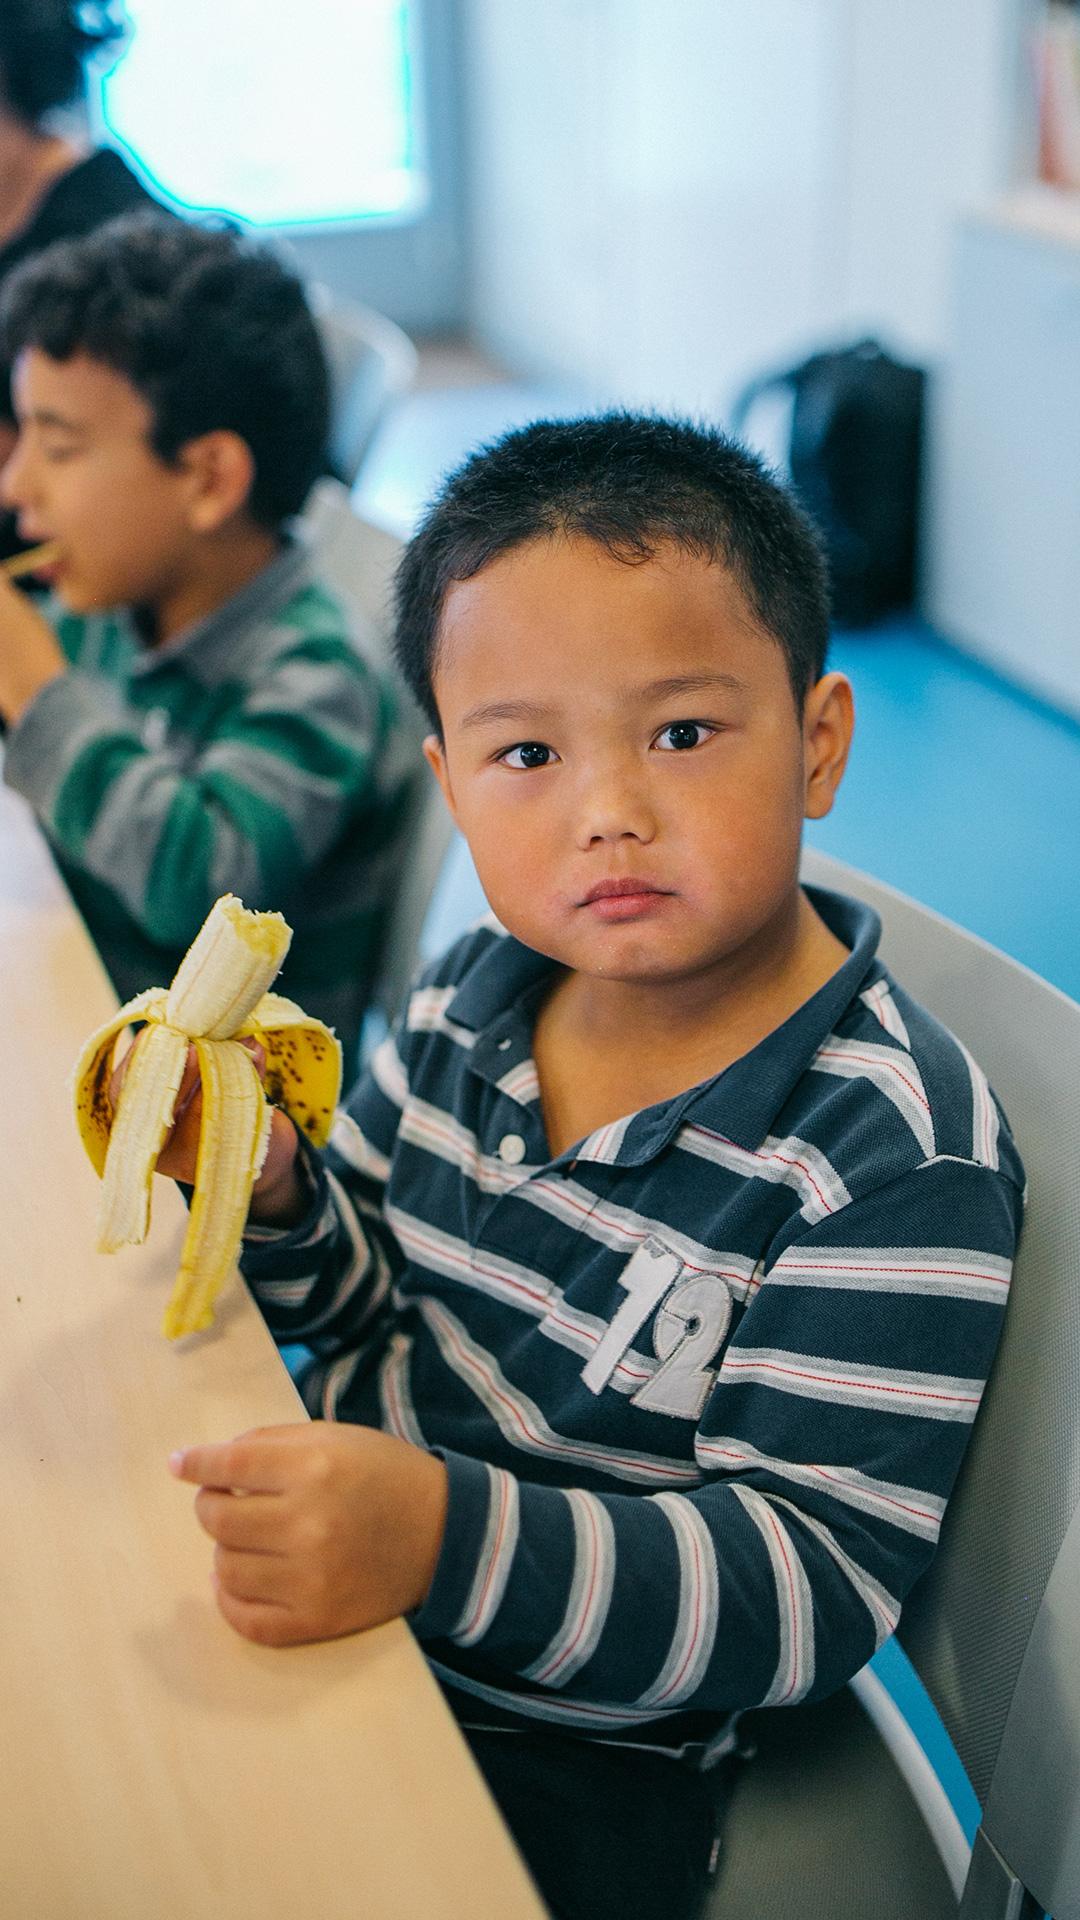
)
(249, 1576)
(258, 1620)
(189, 1079)
(255, 1462)
(244, 1523)
(116, 1078)
(189, 1084)
(238, 1466)
(257, 1052)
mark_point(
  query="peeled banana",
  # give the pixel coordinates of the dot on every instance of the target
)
(218, 997)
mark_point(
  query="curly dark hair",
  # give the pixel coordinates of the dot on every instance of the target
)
(211, 328)
(43, 44)
(630, 482)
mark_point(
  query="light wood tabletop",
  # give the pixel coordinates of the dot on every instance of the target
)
(156, 1766)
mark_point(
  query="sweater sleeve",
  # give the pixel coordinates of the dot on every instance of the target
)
(326, 1282)
(264, 797)
(827, 1449)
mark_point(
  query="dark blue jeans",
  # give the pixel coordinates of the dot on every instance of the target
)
(607, 1832)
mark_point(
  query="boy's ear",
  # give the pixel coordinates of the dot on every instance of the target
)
(828, 719)
(435, 755)
(221, 470)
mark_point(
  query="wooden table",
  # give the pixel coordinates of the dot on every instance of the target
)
(155, 1766)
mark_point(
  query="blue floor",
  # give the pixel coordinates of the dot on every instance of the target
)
(962, 791)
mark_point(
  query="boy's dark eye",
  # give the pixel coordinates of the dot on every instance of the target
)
(681, 735)
(528, 753)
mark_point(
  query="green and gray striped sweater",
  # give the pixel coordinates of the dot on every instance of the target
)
(257, 753)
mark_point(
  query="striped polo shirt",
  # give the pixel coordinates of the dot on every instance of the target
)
(702, 1382)
(256, 753)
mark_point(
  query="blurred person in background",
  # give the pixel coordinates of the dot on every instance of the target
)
(189, 714)
(53, 185)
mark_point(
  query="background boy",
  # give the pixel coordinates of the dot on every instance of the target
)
(197, 718)
(663, 1251)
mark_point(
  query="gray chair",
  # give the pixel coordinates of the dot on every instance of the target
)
(357, 559)
(824, 1824)
(372, 362)
(428, 833)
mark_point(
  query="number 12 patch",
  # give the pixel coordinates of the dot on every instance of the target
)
(692, 1318)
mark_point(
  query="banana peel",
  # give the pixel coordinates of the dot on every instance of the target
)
(219, 997)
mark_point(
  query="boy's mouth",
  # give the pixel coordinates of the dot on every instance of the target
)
(624, 899)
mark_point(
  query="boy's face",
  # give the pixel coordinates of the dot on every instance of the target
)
(85, 475)
(623, 753)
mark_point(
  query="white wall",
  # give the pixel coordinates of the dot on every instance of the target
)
(667, 195)
(936, 119)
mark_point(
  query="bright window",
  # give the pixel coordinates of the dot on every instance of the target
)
(282, 117)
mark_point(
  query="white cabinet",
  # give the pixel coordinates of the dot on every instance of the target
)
(1002, 524)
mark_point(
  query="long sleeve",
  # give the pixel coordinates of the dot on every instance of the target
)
(168, 827)
(327, 1282)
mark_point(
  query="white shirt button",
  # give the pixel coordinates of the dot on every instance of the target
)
(503, 1044)
(511, 1149)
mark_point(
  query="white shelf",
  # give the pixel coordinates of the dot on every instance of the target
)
(1002, 527)
(1037, 212)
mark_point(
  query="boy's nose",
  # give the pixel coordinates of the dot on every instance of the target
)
(613, 807)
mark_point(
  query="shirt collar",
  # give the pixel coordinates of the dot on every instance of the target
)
(498, 1003)
(204, 648)
(505, 971)
(742, 1102)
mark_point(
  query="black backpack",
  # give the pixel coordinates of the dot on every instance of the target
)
(854, 459)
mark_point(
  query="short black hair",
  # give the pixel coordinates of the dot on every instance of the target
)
(43, 44)
(212, 329)
(630, 482)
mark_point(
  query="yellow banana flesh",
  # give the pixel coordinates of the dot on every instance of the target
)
(138, 1135)
(226, 970)
(217, 998)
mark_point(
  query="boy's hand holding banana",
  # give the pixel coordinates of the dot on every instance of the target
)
(219, 1008)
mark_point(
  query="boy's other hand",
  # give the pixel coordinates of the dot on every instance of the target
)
(30, 654)
(278, 1198)
(321, 1530)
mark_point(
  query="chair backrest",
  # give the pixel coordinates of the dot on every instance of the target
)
(427, 836)
(357, 559)
(372, 362)
(992, 1630)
